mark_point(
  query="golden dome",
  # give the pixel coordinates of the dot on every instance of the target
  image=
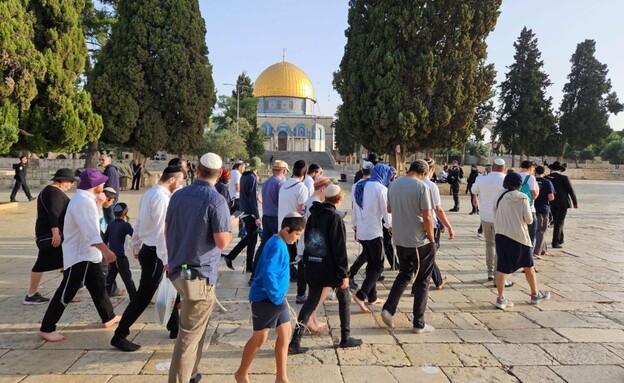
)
(285, 80)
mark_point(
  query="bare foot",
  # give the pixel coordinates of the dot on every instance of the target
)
(378, 301)
(444, 280)
(537, 256)
(75, 300)
(112, 322)
(240, 378)
(52, 336)
(360, 303)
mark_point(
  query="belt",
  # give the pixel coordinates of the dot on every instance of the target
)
(150, 247)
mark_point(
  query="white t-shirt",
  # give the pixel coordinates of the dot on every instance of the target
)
(292, 194)
(309, 183)
(533, 185)
(435, 195)
(489, 188)
(368, 218)
(234, 180)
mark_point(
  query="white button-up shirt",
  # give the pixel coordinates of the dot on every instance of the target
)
(81, 230)
(150, 224)
(367, 220)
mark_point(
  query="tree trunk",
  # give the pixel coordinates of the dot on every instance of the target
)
(397, 160)
(92, 154)
(513, 159)
(563, 148)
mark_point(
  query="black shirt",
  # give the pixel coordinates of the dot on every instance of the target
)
(115, 236)
(51, 206)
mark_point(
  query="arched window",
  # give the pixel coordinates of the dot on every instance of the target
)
(301, 130)
(267, 128)
(283, 127)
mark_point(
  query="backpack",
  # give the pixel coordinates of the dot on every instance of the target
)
(527, 190)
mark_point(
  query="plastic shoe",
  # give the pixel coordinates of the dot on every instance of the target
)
(503, 303)
(387, 318)
(424, 330)
(540, 296)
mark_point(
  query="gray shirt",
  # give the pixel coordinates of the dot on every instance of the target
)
(408, 197)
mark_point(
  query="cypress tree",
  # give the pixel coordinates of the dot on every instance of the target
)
(525, 116)
(153, 81)
(21, 65)
(587, 99)
(413, 74)
(60, 117)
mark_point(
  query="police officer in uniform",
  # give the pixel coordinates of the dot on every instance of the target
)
(20, 178)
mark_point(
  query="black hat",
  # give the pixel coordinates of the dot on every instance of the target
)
(373, 157)
(512, 180)
(299, 164)
(64, 174)
(557, 166)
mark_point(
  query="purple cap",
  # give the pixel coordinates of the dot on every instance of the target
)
(91, 178)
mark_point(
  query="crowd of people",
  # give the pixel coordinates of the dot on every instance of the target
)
(180, 232)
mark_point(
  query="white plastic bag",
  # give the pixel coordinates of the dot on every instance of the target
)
(165, 301)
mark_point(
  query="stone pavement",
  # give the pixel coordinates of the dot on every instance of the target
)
(577, 336)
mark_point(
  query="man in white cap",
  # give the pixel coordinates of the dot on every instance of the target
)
(197, 229)
(487, 189)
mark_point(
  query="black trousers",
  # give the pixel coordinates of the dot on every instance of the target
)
(121, 267)
(374, 266)
(151, 274)
(455, 192)
(301, 279)
(388, 248)
(413, 261)
(559, 216)
(136, 181)
(269, 228)
(357, 264)
(85, 272)
(21, 184)
(249, 242)
(314, 296)
(436, 274)
(110, 284)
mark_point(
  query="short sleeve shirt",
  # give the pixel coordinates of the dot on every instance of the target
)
(292, 193)
(408, 197)
(194, 214)
(235, 177)
(489, 188)
(542, 205)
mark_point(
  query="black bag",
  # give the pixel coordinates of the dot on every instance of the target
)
(45, 244)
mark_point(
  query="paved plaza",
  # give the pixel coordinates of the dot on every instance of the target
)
(577, 336)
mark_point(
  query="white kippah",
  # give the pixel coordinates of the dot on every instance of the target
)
(499, 162)
(211, 161)
(293, 214)
(332, 190)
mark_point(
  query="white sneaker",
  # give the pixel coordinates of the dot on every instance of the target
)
(503, 303)
(424, 330)
(387, 318)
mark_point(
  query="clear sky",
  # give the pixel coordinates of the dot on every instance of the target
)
(245, 35)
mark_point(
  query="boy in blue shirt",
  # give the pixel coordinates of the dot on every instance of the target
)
(114, 238)
(267, 294)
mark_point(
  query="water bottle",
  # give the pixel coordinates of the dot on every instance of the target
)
(186, 272)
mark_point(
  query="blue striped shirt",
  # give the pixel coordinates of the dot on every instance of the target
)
(194, 214)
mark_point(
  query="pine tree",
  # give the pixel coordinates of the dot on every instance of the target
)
(412, 76)
(21, 65)
(153, 82)
(525, 115)
(587, 99)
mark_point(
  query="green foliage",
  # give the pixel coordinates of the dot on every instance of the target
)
(153, 83)
(525, 116)
(21, 66)
(483, 115)
(587, 154)
(476, 148)
(225, 143)
(587, 99)
(345, 143)
(413, 75)
(613, 151)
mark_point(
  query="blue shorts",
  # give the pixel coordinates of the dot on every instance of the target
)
(267, 315)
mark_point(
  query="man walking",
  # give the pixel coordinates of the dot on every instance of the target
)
(197, 228)
(314, 172)
(531, 189)
(251, 215)
(83, 250)
(20, 179)
(371, 199)
(410, 202)
(148, 245)
(326, 263)
(270, 197)
(542, 210)
(137, 171)
(564, 199)
(234, 188)
(112, 173)
(487, 189)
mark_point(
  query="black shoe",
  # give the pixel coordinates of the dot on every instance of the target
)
(350, 342)
(228, 263)
(557, 246)
(295, 348)
(31, 199)
(352, 284)
(196, 379)
(173, 332)
(381, 278)
(13, 200)
(124, 344)
(454, 209)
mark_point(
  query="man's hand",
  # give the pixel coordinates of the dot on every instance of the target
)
(108, 255)
(166, 267)
(345, 283)
(575, 206)
(56, 237)
(258, 222)
(451, 233)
